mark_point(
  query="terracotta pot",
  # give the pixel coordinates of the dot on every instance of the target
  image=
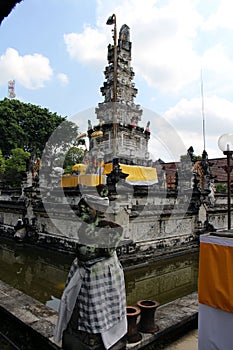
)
(133, 336)
(147, 320)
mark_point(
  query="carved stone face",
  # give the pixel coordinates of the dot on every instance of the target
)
(88, 214)
(85, 252)
(98, 240)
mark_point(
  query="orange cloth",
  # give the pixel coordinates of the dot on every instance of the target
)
(215, 283)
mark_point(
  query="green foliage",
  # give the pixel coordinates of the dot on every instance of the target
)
(220, 187)
(2, 164)
(16, 166)
(68, 170)
(197, 158)
(32, 132)
(73, 156)
(25, 126)
(59, 144)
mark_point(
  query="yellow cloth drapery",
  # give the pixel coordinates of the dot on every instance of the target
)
(138, 175)
(87, 180)
(81, 168)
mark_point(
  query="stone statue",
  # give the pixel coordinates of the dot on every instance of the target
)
(205, 163)
(211, 195)
(92, 312)
(190, 152)
(89, 125)
(147, 127)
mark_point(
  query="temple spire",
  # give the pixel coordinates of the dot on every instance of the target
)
(118, 114)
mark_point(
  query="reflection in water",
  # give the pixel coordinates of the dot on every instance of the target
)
(163, 281)
(38, 273)
(42, 275)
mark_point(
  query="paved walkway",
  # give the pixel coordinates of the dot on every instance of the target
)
(187, 342)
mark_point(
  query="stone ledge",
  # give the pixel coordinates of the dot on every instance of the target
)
(29, 312)
(170, 318)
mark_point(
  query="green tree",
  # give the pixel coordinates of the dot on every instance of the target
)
(59, 143)
(25, 126)
(221, 187)
(16, 166)
(73, 156)
(2, 165)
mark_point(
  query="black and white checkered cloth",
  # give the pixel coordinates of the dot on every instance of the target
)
(101, 302)
(94, 300)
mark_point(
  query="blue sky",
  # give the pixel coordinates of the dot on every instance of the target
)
(56, 52)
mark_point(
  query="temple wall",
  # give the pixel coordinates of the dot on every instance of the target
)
(166, 231)
(219, 219)
(148, 221)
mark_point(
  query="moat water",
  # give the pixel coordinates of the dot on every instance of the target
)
(42, 275)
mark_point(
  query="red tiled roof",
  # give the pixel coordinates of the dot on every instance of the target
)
(216, 170)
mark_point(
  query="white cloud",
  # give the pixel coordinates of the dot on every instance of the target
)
(171, 43)
(87, 47)
(63, 78)
(162, 40)
(163, 45)
(168, 49)
(30, 70)
(218, 68)
(222, 18)
(186, 117)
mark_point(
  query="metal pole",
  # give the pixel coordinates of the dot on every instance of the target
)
(115, 90)
(228, 169)
(112, 20)
(228, 191)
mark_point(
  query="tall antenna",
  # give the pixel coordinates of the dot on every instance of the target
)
(203, 111)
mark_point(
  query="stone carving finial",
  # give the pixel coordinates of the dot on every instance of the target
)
(190, 152)
(89, 125)
(147, 127)
(124, 33)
